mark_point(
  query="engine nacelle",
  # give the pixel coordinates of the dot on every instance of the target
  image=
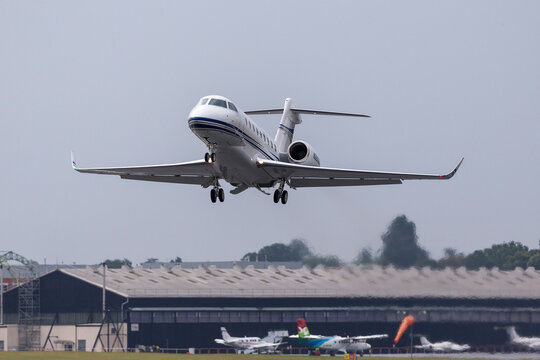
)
(300, 152)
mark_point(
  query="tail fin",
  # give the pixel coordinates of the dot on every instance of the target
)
(289, 120)
(224, 334)
(424, 341)
(303, 330)
(511, 330)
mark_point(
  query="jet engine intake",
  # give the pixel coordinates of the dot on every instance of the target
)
(300, 152)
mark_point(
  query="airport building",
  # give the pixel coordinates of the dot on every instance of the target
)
(183, 307)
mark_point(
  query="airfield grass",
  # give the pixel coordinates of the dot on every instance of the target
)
(63, 355)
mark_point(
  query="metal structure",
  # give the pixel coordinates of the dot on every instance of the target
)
(29, 301)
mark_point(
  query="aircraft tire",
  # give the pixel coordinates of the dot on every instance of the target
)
(207, 157)
(221, 195)
(213, 157)
(284, 197)
(213, 195)
(277, 195)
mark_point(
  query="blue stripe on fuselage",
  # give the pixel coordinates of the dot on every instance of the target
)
(314, 342)
(229, 129)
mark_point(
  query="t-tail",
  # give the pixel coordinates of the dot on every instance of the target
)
(424, 341)
(303, 330)
(285, 132)
(511, 330)
(224, 334)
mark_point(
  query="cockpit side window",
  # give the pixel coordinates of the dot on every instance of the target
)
(232, 107)
(203, 101)
(218, 102)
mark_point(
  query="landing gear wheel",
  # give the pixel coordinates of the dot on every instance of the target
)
(213, 157)
(207, 157)
(221, 195)
(277, 195)
(213, 195)
(284, 197)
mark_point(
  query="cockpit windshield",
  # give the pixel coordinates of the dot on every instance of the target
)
(232, 107)
(203, 101)
(218, 102)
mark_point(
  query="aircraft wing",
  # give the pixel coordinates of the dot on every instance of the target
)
(309, 337)
(312, 176)
(367, 337)
(196, 172)
(220, 341)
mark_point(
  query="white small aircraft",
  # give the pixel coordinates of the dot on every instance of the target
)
(247, 344)
(241, 153)
(529, 342)
(443, 346)
(334, 344)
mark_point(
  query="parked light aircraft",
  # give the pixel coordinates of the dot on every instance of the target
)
(241, 153)
(530, 342)
(334, 344)
(247, 344)
(443, 346)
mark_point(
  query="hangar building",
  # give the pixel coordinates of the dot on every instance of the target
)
(179, 307)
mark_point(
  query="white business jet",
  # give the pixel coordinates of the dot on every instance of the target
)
(532, 343)
(241, 153)
(247, 344)
(443, 346)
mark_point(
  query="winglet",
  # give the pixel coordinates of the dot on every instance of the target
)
(73, 163)
(451, 174)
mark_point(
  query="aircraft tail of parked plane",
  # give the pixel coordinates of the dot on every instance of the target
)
(225, 335)
(530, 342)
(242, 154)
(424, 341)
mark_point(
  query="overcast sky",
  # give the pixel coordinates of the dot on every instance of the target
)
(115, 80)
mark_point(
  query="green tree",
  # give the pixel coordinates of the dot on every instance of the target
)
(365, 257)
(177, 260)
(452, 258)
(534, 261)
(296, 250)
(116, 263)
(327, 261)
(505, 256)
(400, 245)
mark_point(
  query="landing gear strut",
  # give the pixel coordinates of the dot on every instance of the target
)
(281, 194)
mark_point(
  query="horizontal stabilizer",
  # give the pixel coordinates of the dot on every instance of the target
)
(302, 111)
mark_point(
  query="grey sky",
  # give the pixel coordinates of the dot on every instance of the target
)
(114, 81)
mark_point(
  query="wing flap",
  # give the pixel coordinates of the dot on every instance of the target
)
(326, 182)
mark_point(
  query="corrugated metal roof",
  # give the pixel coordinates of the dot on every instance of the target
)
(352, 281)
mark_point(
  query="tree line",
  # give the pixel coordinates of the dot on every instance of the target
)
(400, 248)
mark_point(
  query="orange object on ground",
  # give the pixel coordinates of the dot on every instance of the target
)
(405, 323)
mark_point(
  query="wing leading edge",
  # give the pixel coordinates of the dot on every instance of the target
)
(311, 176)
(196, 172)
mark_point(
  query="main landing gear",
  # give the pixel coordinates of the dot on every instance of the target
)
(281, 194)
(217, 193)
(210, 157)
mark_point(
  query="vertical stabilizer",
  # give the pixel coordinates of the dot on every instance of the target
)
(424, 341)
(511, 330)
(285, 132)
(224, 334)
(303, 330)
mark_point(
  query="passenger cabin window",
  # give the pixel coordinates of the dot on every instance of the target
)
(232, 107)
(203, 101)
(218, 102)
